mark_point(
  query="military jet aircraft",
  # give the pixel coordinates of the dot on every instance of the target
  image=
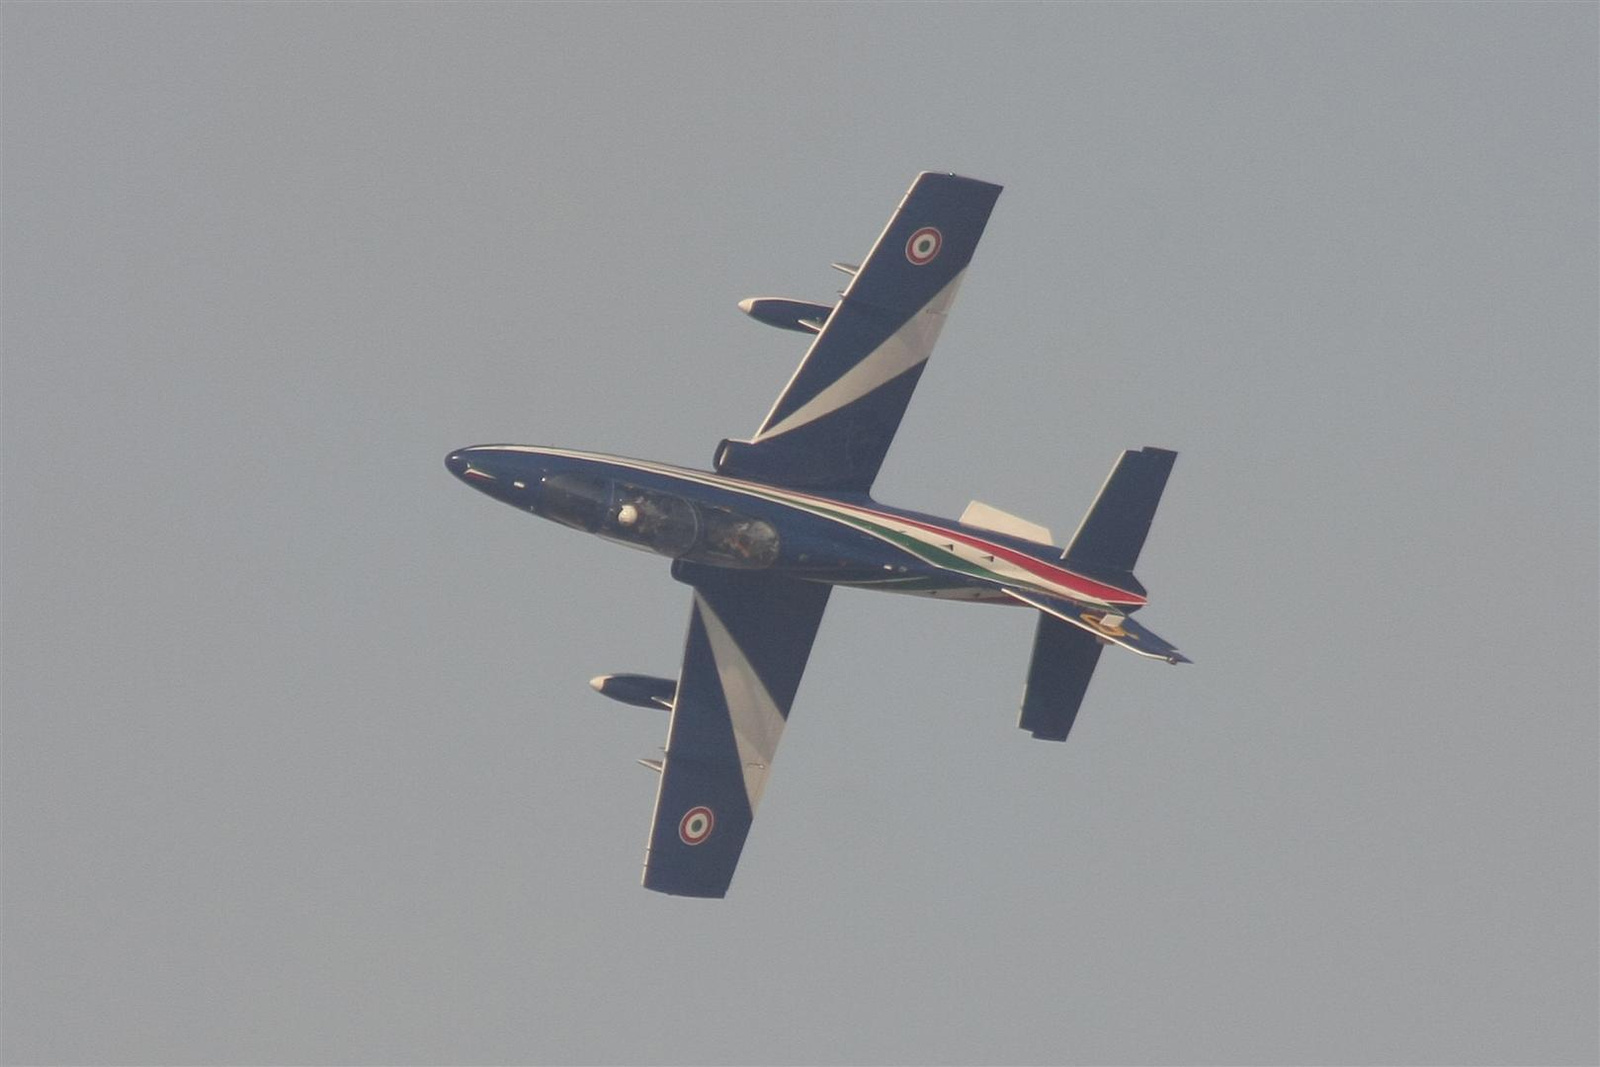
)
(785, 516)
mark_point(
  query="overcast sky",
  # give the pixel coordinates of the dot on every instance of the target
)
(300, 765)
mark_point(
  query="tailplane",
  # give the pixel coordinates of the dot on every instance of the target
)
(1112, 534)
(1070, 635)
(1064, 658)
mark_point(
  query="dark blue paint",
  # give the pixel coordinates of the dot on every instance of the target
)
(811, 547)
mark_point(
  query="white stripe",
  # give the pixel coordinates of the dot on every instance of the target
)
(904, 349)
(757, 722)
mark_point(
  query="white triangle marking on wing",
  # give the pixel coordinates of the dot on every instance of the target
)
(904, 349)
(757, 722)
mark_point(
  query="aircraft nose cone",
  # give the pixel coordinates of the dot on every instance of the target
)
(481, 467)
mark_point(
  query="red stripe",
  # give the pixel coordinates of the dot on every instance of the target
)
(1058, 575)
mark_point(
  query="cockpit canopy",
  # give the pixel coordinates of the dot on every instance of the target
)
(658, 522)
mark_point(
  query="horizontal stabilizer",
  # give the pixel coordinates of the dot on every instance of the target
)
(1114, 530)
(1105, 624)
(1064, 658)
(986, 517)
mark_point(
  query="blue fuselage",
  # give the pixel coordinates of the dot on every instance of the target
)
(726, 522)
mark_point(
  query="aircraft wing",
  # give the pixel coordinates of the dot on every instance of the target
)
(749, 637)
(833, 422)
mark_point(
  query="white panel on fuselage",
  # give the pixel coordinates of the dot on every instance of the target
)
(987, 517)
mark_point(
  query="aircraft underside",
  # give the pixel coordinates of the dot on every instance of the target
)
(786, 515)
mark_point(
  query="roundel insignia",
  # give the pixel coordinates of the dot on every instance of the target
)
(924, 245)
(696, 824)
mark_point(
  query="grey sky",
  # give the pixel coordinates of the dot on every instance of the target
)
(299, 762)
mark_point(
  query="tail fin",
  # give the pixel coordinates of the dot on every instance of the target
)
(1114, 530)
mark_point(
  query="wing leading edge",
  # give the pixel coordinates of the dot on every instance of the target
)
(832, 424)
(749, 638)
